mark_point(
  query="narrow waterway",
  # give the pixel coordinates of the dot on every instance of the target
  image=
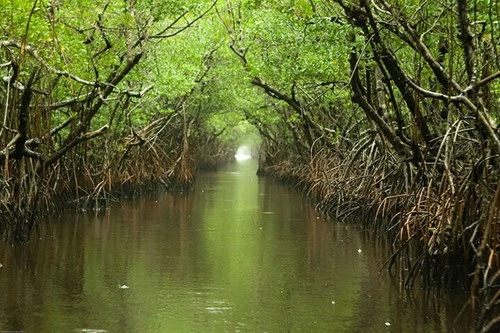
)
(237, 254)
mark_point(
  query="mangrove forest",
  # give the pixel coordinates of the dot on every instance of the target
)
(383, 114)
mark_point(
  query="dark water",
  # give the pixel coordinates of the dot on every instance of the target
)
(238, 254)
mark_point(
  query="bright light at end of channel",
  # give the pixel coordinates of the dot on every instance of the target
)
(243, 154)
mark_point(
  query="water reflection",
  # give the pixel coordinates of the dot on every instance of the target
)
(238, 254)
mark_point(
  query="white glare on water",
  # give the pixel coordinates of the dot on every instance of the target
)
(243, 154)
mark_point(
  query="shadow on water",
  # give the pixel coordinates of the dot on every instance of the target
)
(237, 254)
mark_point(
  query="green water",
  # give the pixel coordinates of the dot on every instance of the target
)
(238, 254)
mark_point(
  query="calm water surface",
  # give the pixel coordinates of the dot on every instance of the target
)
(238, 254)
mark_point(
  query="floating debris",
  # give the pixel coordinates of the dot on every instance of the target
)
(387, 323)
(123, 286)
(333, 302)
(359, 251)
(1, 265)
(92, 330)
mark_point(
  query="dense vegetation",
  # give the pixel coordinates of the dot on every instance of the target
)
(381, 111)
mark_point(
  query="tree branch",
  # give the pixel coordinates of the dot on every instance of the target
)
(138, 94)
(162, 34)
(84, 137)
(276, 94)
(467, 40)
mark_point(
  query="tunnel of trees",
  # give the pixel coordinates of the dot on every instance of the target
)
(384, 112)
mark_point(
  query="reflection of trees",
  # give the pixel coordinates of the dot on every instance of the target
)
(239, 242)
(407, 310)
(314, 269)
(42, 273)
